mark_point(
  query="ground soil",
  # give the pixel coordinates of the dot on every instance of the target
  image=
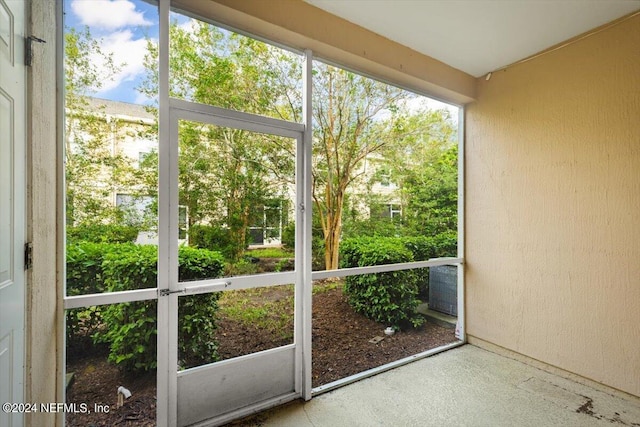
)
(341, 347)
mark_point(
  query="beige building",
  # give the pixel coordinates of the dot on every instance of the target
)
(551, 188)
(120, 130)
(127, 131)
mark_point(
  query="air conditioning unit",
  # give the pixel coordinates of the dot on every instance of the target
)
(443, 289)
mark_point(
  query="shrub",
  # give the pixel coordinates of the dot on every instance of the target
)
(211, 238)
(388, 298)
(317, 242)
(220, 239)
(131, 327)
(197, 313)
(446, 244)
(288, 238)
(373, 227)
(84, 276)
(102, 233)
(84, 267)
(196, 264)
(425, 247)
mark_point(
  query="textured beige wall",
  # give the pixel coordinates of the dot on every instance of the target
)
(553, 208)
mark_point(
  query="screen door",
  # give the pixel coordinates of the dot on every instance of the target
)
(234, 188)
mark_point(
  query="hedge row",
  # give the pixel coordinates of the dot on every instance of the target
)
(102, 233)
(130, 328)
(391, 298)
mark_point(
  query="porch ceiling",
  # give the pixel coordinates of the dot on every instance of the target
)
(479, 36)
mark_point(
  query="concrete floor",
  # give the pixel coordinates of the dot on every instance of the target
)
(467, 386)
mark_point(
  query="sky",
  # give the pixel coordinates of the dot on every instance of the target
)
(123, 27)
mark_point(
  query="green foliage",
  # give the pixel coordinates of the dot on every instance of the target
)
(350, 127)
(372, 227)
(84, 276)
(195, 264)
(269, 253)
(288, 238)
(317, 242)
(433, 199)
(84, 267)
(93, 169)
(425, 247)
(429, 185)
(241, 267)
(389, 298)
(130, 328)
(285, 264)
(228, 175)
(211, 238)
(196, 328)
(102, 233)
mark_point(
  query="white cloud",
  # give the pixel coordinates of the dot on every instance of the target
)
(107, 14)
(143, 99)
(125, 50)
(189, 26)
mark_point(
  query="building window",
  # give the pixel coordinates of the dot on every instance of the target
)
(386, 210)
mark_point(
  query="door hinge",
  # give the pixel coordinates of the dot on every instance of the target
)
(28, 49)
(28, 255)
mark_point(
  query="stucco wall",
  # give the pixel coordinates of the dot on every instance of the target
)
(553, 208)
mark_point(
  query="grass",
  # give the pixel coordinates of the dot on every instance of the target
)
(269, 253)
(320, 287)
(269, 308)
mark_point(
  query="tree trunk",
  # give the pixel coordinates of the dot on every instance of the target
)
(332, 248)
(332, 234)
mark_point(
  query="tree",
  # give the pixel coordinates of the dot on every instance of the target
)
(231, 171)
(354, 118)
(424, 166)
(226, 176)
(94, 169)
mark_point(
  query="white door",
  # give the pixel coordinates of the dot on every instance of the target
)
(12, 206)
(262, 374)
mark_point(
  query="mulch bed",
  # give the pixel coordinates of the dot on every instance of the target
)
(97, 381)
(341, 347)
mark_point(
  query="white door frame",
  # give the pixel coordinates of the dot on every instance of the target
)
(198, 393)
